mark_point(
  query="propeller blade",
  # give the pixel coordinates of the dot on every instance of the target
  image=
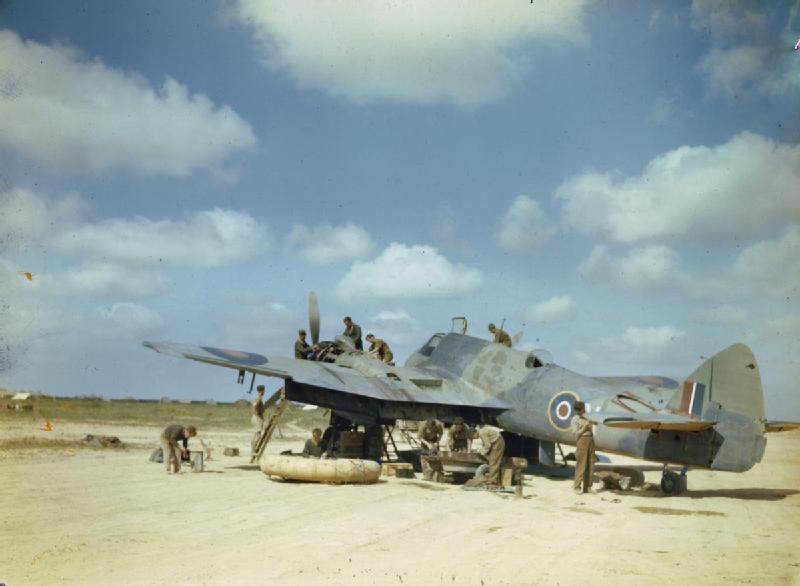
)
(313, 317)
(516, 339)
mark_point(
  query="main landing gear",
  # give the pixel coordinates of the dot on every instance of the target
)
(673, 483)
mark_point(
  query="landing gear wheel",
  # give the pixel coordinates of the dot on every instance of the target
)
(672, 483)
(669, 483)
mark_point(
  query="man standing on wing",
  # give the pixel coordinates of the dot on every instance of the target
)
(353, 331)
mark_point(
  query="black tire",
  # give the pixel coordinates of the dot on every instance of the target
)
(670, 483)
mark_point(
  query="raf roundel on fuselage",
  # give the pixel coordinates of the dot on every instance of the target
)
(561, 410)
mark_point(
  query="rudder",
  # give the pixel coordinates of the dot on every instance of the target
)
(730, 379)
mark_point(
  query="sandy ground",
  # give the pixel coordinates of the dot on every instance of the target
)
(83, 516)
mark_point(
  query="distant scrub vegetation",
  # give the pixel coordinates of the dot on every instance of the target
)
(206, 414)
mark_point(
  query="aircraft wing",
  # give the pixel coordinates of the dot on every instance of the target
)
(770, 426)
(654, 420)
(398, 385)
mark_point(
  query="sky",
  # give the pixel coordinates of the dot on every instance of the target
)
(619, 182)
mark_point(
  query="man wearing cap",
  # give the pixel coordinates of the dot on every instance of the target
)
(458, 436)
(584, 449)
(379, 348)
(257, 420)
(301, 347)
(500, 336)
(353, 331)
(172, 449)
(314, 447)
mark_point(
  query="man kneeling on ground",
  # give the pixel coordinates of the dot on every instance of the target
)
(172, 449)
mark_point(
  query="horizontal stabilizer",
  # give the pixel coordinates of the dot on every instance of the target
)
(645, 381)
(781, 425)
(655, 420)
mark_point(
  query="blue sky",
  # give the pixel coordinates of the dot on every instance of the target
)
(618, 181)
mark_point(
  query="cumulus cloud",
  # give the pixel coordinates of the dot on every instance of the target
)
(690, 193)
(104, 279)
(771, 266)
(330, 244)
(642, 344)
(26, 217)
(767, 267)
(206, 239)
(416, 51)
(744, 56)
(125, 319)
(95, 279)
(397, 326)
(78, 115)
(413, 272)
(759, 67)
(724, 19)
(552, 310)
(641, 268)
(525, 227)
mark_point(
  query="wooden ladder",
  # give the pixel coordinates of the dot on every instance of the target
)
(270, 425)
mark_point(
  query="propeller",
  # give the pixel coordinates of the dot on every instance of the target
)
(516, 339)
(313, 317)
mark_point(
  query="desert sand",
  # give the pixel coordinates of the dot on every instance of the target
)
(75, 515)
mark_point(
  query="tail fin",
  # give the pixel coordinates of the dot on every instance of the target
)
(730, 379)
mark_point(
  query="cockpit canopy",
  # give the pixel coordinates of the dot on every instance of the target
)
(538, 358)
(430, 345)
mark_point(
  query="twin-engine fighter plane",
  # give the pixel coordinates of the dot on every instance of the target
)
(714, 419)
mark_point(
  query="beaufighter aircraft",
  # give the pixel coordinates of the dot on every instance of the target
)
(714, 419)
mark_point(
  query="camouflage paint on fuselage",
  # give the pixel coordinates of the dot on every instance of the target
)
(542, 402)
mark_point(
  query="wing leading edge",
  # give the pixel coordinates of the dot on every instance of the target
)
(397, 385)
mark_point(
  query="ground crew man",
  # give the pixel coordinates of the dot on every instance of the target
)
(584, 449)
(379, 348)
(500, 336)
(430, 434)
(301, 347)
(313, 447)
(493, 447)
(353, 331)
(256, 420)
(173, 450)
(458, 436)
